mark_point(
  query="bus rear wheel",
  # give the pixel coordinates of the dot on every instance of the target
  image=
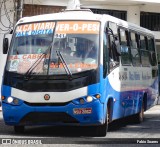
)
(19, 129)
(139, 117)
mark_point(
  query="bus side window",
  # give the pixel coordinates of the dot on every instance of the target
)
(151, 48)
(145, 56)
(142, 42)
(134, 49)
(125, 53)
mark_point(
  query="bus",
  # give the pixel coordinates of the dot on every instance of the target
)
(78, 68)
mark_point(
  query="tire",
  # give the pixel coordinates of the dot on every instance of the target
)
(139, 117)
(102, 129)
(19, 129)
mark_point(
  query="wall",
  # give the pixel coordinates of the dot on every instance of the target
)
(5, 25)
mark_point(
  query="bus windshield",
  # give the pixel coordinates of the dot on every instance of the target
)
(35, 46)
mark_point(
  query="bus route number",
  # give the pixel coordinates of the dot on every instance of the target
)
(60, 35)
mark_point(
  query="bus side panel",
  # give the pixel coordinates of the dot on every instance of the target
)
(108, 92)
(127, 88)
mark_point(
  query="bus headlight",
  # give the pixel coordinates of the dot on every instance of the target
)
(89, 98)
(9, 99)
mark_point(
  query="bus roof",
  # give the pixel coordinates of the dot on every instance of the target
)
(128, 25)
(84, 14)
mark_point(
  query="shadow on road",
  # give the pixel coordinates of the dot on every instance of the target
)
(55, 131)
(70, 131)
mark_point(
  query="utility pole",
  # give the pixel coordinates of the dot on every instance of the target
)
(18, 10)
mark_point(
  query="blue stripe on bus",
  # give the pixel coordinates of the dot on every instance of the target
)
(6, 90)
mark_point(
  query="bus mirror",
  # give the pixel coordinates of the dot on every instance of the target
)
(5, 45)
(6, 41)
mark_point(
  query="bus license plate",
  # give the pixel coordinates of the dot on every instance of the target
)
(82, 110)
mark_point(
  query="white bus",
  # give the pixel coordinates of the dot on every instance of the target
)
(78, 68)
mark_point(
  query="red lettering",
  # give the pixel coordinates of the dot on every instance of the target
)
(34, 56)
(29, 57)
(24, 56)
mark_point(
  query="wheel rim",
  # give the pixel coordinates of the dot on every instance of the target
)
(142, 113)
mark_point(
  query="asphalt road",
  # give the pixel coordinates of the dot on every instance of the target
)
(121, 131)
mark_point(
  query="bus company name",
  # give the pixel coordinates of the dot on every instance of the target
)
(34, 32)
(137, 76)
(35, 26)
(146, 76)
(134, 76)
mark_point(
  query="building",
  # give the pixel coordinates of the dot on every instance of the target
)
(145, 13)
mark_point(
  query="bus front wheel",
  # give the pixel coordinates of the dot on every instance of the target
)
(19, 129)
(102, 129)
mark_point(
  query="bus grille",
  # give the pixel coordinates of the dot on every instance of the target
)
(47, 104)
(47, 118)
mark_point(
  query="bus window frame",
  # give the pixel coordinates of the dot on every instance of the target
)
(153, 62)
(127, 44)
(113, 54)
(137, 48)
(142, 49)
(105, 54)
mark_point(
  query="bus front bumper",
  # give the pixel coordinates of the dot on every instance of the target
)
(70, 114)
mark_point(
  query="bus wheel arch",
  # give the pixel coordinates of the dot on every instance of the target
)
(109, 109)
(101, 130)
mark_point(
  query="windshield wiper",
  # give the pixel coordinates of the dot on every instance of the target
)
(69, 73)
(36, 63)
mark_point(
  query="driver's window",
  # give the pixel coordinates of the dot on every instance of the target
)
(113, 45)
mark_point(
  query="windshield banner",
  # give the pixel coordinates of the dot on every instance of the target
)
(21, 63)
(63, 27)
(77, 27)
(35, 29)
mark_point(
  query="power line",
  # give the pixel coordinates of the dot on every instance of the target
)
(10, 11)
(10, 26)
(5, 9)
